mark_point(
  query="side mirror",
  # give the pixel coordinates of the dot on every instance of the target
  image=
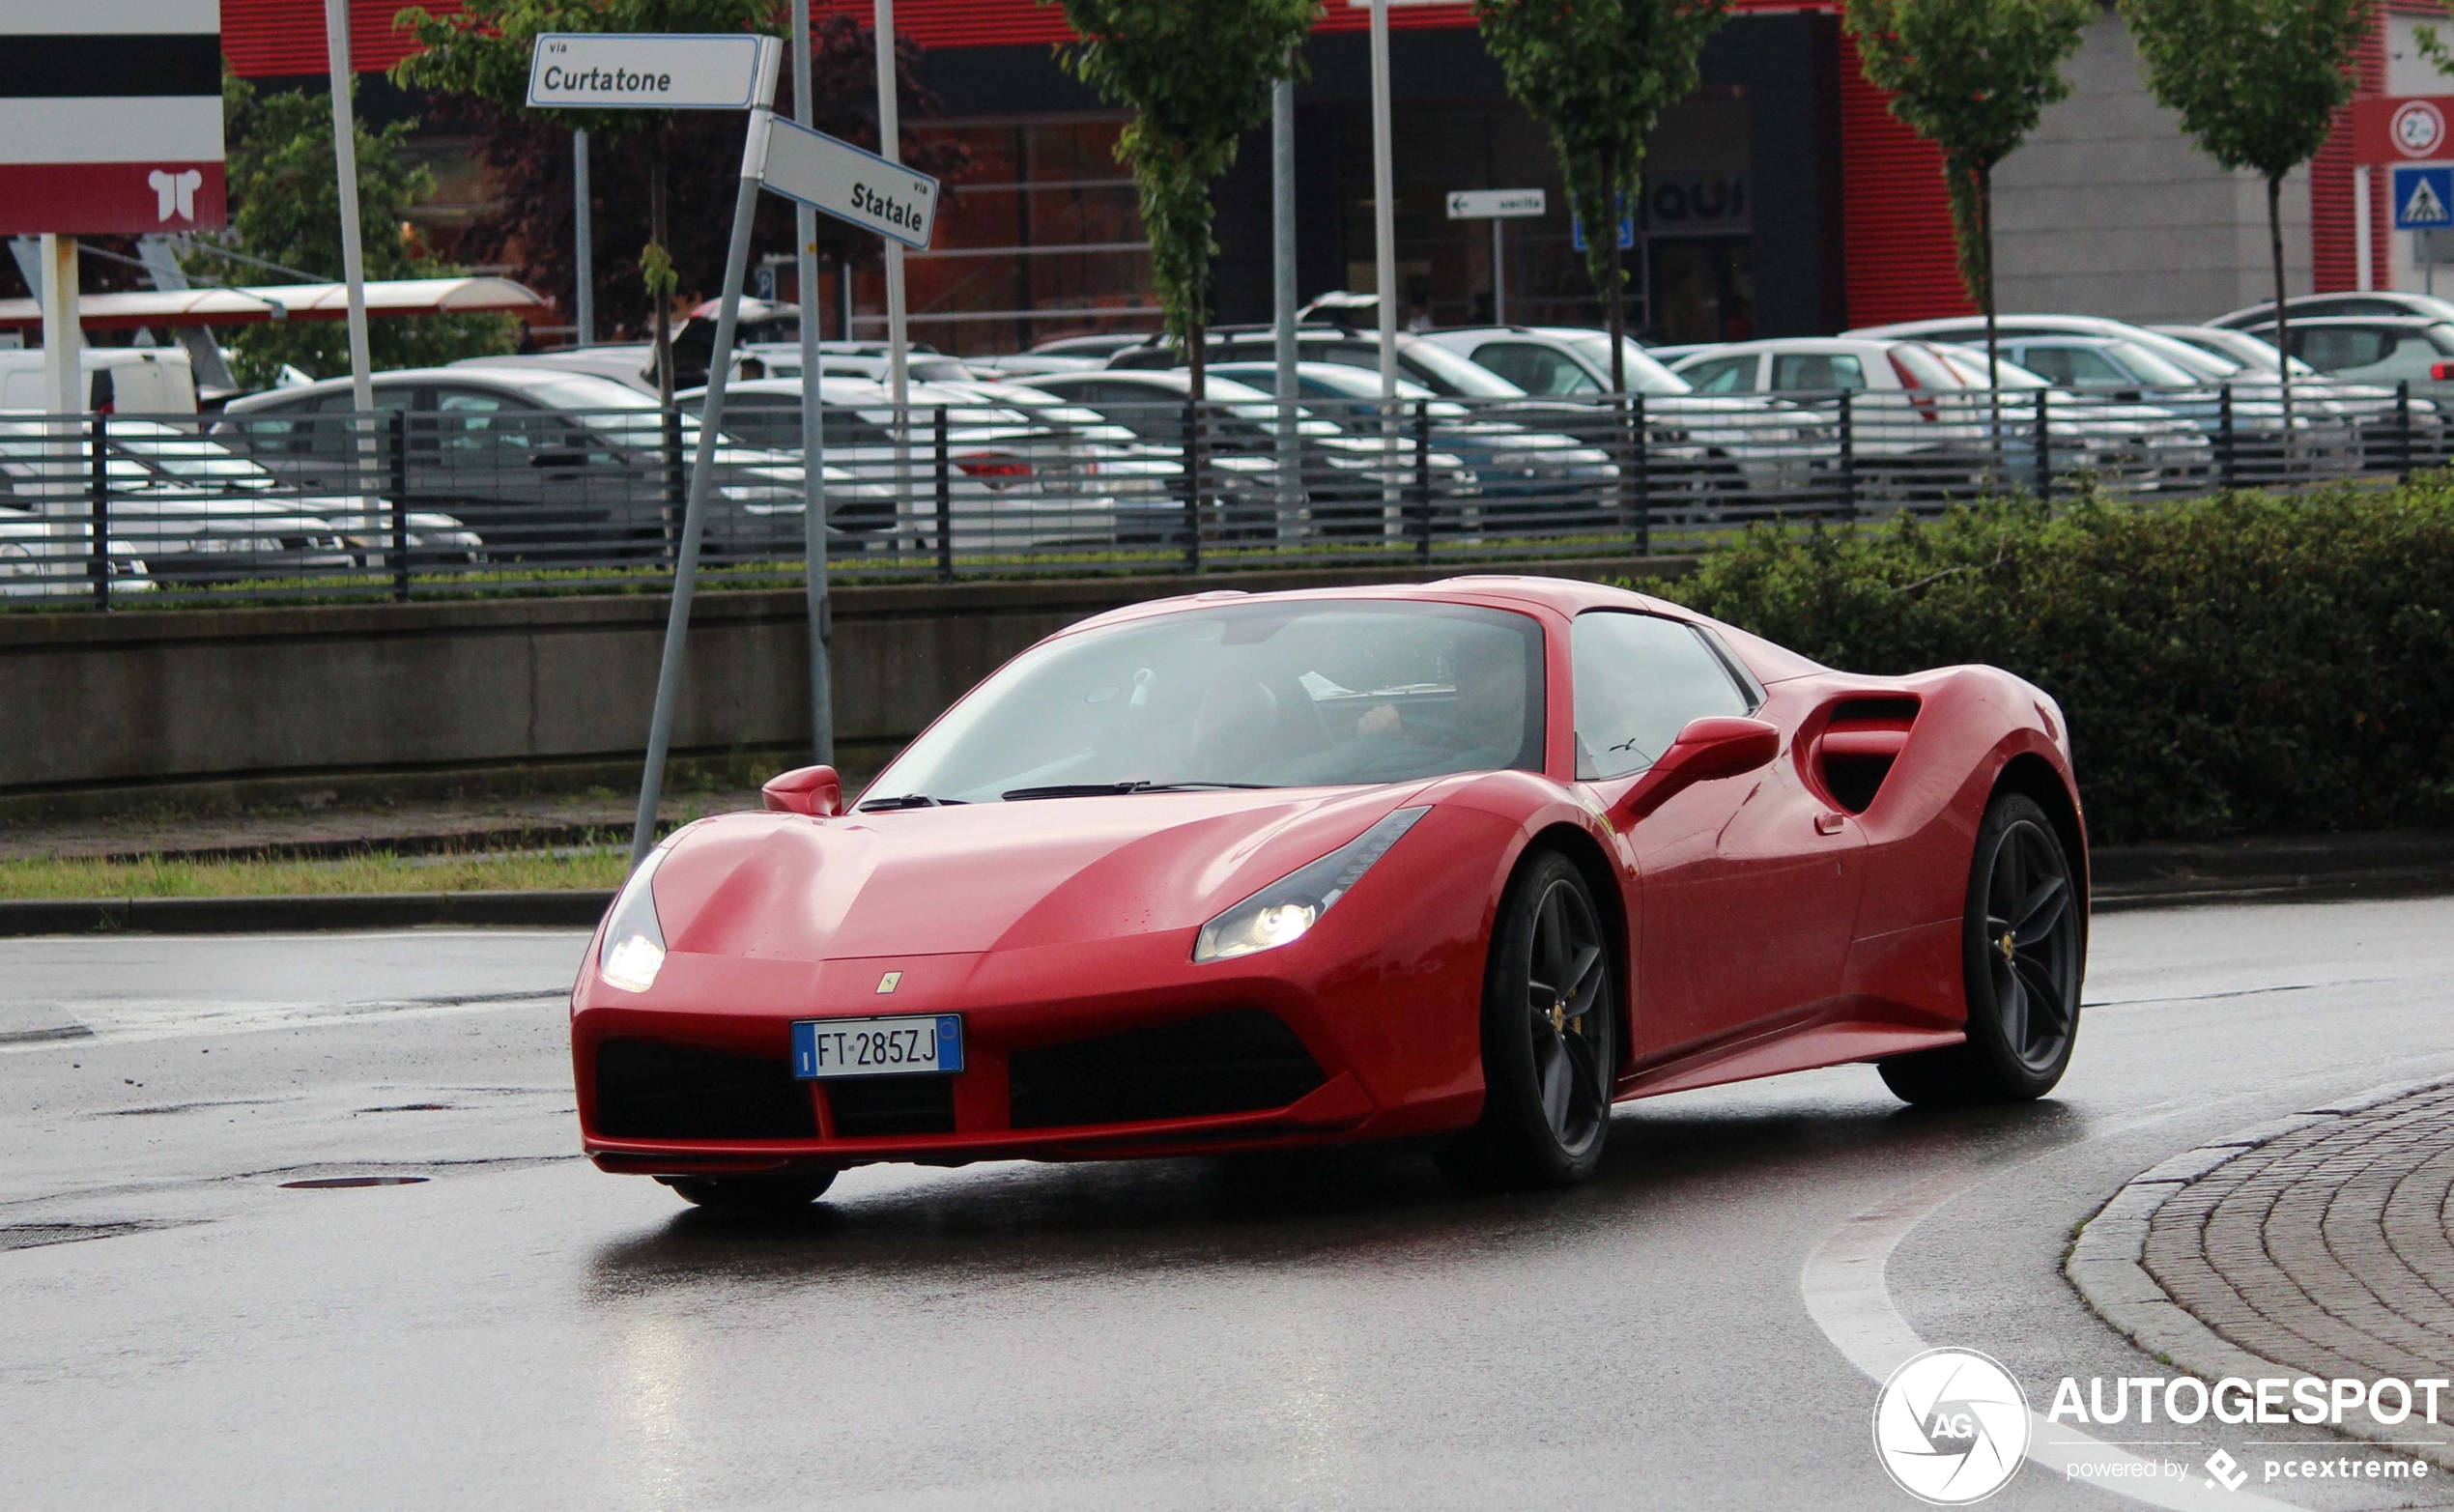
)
(814, 791)
(1714, 747)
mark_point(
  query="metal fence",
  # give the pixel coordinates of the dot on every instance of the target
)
(478, 495)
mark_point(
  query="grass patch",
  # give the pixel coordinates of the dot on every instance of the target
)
(378, 871)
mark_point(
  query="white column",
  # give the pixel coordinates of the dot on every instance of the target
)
(62, 337)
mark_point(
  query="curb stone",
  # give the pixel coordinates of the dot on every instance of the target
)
(2106, 1260)
(572, 909)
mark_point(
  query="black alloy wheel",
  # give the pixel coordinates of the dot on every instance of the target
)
(1550, 1036)
(2023, 954)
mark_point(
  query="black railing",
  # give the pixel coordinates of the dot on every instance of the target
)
(276, 502)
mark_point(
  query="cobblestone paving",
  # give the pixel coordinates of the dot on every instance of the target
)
(2327, 1249)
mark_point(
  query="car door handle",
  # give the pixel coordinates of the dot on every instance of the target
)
(1829, 823)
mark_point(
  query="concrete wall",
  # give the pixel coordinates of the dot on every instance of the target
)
(237, 705)
(2109, 210)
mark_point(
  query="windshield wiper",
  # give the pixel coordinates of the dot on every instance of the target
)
(1102, 789)
(908, 801)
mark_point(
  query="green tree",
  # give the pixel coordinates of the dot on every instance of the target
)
(483, 49)
(1972, 76)
(286, 207)
(1597, 74)
(1196, 76)
(2258, 83)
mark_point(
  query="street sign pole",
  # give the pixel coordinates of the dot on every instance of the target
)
(582, 246)
(1282, 257)
(1499, 207)
(711, 421)
(814, 521)
(1499, 272)
(890, 146)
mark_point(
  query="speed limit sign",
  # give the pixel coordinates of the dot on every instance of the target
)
(2418, 129)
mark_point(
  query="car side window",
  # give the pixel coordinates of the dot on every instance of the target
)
(1798, 371)
(472, 419)
(1722, 376)
(1640, 678)
(1536, 369)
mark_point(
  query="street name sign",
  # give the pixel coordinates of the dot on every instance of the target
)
(836, 178)
(2423, 197)
(1496, 204)
(645, 71)
(110, 117)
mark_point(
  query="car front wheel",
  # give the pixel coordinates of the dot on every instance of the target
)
(2023, 944)
(1550, 1033)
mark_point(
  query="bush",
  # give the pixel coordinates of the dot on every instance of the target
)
(2238, 664)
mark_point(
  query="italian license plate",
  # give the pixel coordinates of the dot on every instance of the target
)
(826, 1049)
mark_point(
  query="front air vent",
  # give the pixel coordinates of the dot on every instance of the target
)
(1855, 753)
(652, 1089)
(1242, 1060)
(874, 1107)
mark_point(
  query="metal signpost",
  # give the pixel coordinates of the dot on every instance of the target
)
(2424, 202)
(805, 252)
(1499, 207)
(832, 177)
(2399, 131)
(104, 163)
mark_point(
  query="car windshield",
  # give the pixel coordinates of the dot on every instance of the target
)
(603, 405)
(1344, 383)
(1969, 367)
(2152, 367)
(1645, 375)
(1455, 377)
(1274, 694)
(182, 454)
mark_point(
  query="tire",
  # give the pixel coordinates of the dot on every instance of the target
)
(759, 1196)
(1550, 1033)
(2023, 1000)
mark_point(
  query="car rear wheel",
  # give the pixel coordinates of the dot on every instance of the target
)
(2023, 944)
(1550, 1035)
(755, 1195)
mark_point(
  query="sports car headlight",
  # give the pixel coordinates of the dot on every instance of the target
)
(1280, 913)
(634, 948)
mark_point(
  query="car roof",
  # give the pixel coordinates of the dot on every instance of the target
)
(2338, 322)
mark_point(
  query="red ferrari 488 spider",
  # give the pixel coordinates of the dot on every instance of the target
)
(1469, 861)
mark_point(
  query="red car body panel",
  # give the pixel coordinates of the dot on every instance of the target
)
(1763, 922)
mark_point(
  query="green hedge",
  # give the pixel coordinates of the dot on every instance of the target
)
(2244, 662)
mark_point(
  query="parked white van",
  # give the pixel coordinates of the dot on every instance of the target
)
(119, 380)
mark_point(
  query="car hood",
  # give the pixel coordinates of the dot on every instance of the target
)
(993, 877)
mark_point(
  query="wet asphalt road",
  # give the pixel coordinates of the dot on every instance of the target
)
(177, 1329)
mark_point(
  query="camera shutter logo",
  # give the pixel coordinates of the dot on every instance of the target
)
(1950, 1427)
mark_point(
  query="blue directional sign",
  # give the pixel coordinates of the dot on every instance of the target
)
(2423, 196)
(1627, 233)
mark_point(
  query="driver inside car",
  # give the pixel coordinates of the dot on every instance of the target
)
(1481, 728)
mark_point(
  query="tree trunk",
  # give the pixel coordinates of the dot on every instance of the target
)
(1195, 360)
(662, 302)
(2283, 339)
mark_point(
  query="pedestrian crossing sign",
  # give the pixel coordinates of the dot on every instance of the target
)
(2423, 196)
